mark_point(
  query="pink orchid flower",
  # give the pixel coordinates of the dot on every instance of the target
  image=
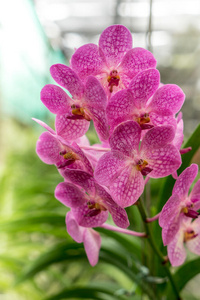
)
(145, 103)
(73, 115)
(188, 235)
(123, 168)
(180, 204)
(113, 62)
(89, 237)
(52, 149)
(89, 202)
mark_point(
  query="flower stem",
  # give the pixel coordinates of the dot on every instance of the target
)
(151, 241)
(94, 148)
(122, 230)
(149, 220)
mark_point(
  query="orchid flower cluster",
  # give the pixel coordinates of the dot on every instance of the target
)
(140, 128)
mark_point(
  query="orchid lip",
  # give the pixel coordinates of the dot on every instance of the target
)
(189, 235)
(113, 79)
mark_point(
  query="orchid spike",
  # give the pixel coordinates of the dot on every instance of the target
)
(89, 237)
(89, 202)
(123, 168)
(113, 62)
(145, 103)
(180, 205)
(73, 115)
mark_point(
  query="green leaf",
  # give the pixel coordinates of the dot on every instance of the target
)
(97, 292)
(186, 272)
(68, 253)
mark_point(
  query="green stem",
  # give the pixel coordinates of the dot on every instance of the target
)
(155, 248)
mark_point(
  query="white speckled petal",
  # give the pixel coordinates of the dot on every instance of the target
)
(185, 180)
(157, 137)
(164, 161)
(94, 93)
(169, 210)
(83, 218)
(48, 148)
(135, 61)
(88, 60)
(55, 99)
(70, 129)
(127, 187)
(115, 41)
(126, 137)
(68, 79)
(119, 214)
(108, 167)
(70, 195)
(176, 251)
(144, 85)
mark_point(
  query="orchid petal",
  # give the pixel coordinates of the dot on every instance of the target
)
(82, 179)
(169, 96)
(68, 79)
(120, 105)
(169, 210)
(144, 85)
(92, 244)
(88, 60)
(41, 123)
(127, 187)
(108, 167)
(83, 217)
(55, 99)
(164, 161)
(48, 148)
(137, 60)
(115, 41)
(94, 93)
(118, 214)
(185, 180)
(70, 195)
(176, 251)
(100, 122)
(157, 137)
(74, 230)
(126, 137)
(71, 129)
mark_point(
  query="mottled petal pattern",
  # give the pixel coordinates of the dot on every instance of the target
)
(83, 217)
(137, 60)
(88, 60)
(94, 93)
(185, 180)
(126, 137)
(55, 99)
(70, 129)
(144, 85)
(74, 230)
(108, 167)
(68, 79)
(70, 195)
(169, 96)
(127, 187)
(115, 41)
(48, 148)
(176, 251)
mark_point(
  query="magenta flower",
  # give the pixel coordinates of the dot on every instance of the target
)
(188, 235)
(73, 115)
(180, 204)
(113, 62)
(123, 168)
(52, 149)
(136, 103)
(89, 237)
(89, 202)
